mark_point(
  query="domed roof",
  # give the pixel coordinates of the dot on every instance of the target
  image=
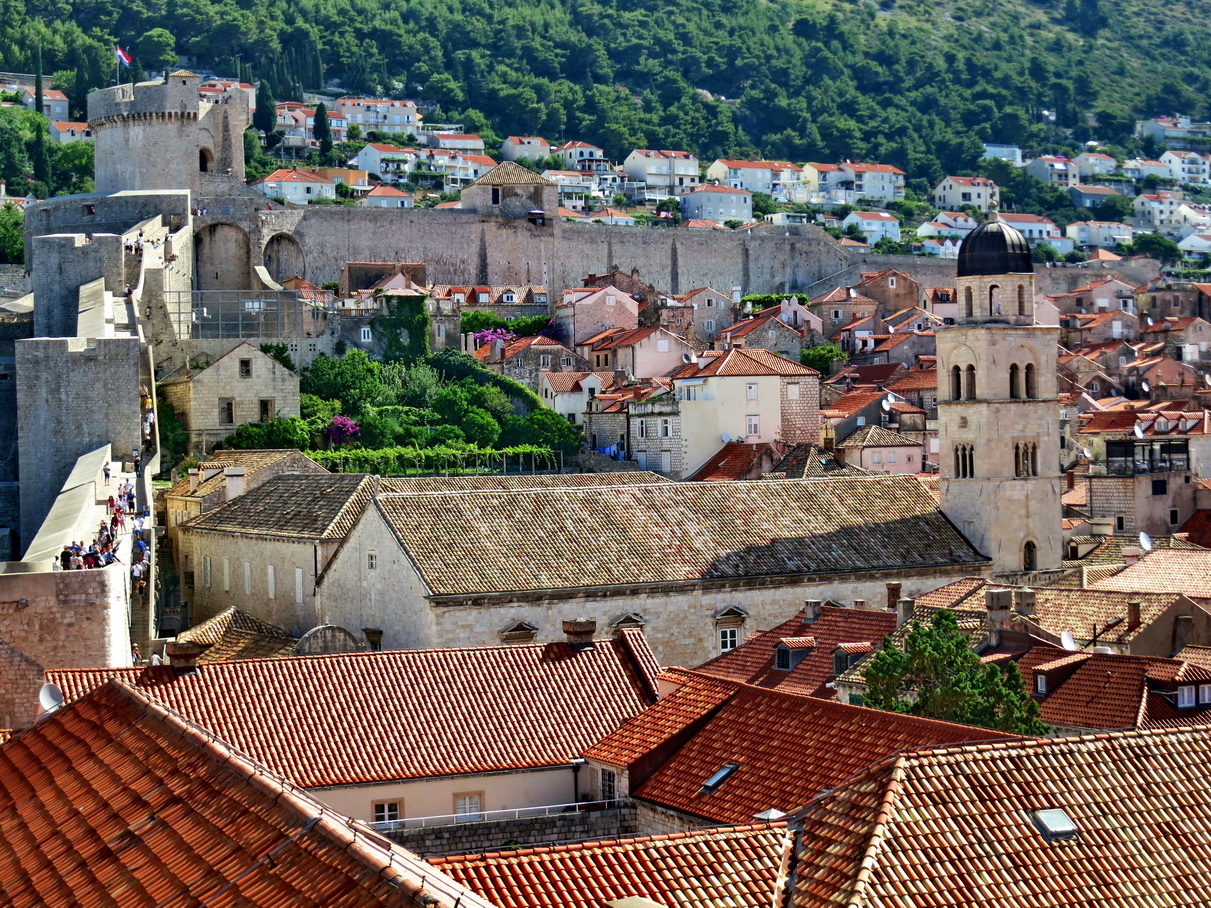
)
(994, 248)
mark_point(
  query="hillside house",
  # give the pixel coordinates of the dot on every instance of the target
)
(954, 193)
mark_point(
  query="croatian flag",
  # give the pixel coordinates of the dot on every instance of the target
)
(123, 56)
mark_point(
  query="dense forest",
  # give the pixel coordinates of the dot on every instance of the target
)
(915, 83)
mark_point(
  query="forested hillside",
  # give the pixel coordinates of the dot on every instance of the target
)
(916, 83)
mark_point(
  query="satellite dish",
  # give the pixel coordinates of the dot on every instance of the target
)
(687, 358)
(1086, 452)
(1207, 380)
(1068, 642)
(726, 438)
(1147, 387)
(1148, 319)
(1138, 430)
(886, 405)
(50, 697)
(1145, 542)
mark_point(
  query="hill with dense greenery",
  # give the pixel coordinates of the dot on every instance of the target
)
(916, 83)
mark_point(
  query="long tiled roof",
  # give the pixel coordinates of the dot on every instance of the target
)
(878, 437)
(252, 461)
(1170, 570)
(360, 718)
(732, 867)
(515, 481)
(744, 361)
(734, 461)
(300, 506)
(753, 661)
(115, 800)
(235, 634)
(671, 533)
(955, 827)
(787, 749)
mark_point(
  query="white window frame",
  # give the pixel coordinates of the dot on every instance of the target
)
(271, 581)
(367, 334)
(666, 428)
(298, 584)
(372, 561)
(206, 570)
(247, 578)
(387, 811)
(226, 575)
(469, 807)
(1185, 697)
(750, 391)
(729, 639)
(752, 425)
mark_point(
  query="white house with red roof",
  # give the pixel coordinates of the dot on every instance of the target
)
(456, 141)
(664, 172)
(65, 131)
(1159, 211)
(1099, 234)
(875, 225)
(1094, 163)
(579, 155)
(881, 182)
(780, 179)
(718, 203)
(1188, 167)
(296, 185)
(826, 183)
(959, 192)
(54, 103)
(532, 147)
(390, 162)
(1038, 229)
(381, 114)
(384, 196)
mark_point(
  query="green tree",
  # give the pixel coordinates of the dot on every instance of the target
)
(763, 204)
(157, 49)
(12, 235)
(1113, 208)
(265, 119)
(821, 358)
(353, 379)
(1043, 252)
(939, 677)
(323, 132)
(281, 353)
(1159, 247)
(39, 157)
(38, 99)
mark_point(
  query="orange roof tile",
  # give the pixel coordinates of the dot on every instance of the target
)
(116, 800)
(405, 714)
(743, 361)
(1186, 571)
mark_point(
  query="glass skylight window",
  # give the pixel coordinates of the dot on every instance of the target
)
(719, 777)
(1054, 823)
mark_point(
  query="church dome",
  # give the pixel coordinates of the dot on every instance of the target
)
(994, 248)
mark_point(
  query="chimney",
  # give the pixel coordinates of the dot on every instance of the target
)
(860, 605)
(1133, 614)
(1131, 554)
(183, 655)
(893, 595)
(1026, 602)
(904, 612)
(374, 638)
(811, 610)
(1000, 605)
(620, 378)
(1101, 526)
(235, 477)
(194, 475)
(1071, 479)
(736, 295)
(580, 633)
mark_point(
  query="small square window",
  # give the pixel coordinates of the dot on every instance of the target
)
(1054, 823)
(729, 639)
(1185, 696)
(367, 336)
(468, 807)
(371, 561)
(245, 368)
(386, 812)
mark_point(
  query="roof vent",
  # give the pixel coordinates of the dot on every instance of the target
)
(183, 655)
(580, 633)
(714, 782)
(1054, 824)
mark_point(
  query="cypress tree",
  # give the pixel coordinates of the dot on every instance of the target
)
(39, 156)
(266, 116)
(323, 131)
(38, 80)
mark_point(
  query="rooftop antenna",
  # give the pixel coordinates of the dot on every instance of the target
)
(1067, 641)
(1145, 541)
(50, 697)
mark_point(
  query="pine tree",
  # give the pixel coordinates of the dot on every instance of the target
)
(323, 131)
(949, 681)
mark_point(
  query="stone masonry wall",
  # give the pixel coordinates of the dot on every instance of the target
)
(801, 416)
(468, 838)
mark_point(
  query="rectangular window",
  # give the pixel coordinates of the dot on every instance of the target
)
(750, 391)
(298, 584)
(876, 457)
(1040, 684)
(1160, 487)
(782, 659)
(792, 391)
(367, 336)
(708, 325)
(609, 785)
(386, 811)
(206, 570)
(247, 578)
(226, 411)
(270, 581)
(662, 345)
(372, 561)
(1204, 694)
(266, 410)
(245, 368)
(544, 361)
(468, 807)
(643, 428)
(752, 425)
(729, 639)
(1185, 696)
(1120, 523)
(891, 456)
(666, 428)
(1174, 517)
(226, 575)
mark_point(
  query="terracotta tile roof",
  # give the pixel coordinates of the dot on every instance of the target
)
(787, 749)
(856, 401)
(733, 867)
(563, 382)
(877, 437)
(1198, 528)
(753, 661)
(515, 481)
(805, 461)
(873, 374)
(293, 175)
(735, 460)
(1165, 570)
(235, 634)
(671, 533)
(1109, 549)
(115, 800)
(407, 714)
(743, 361)
(747, 326)
(955, 827)
(1196, 655)
(915, 380)
(253, 461)
(298, 506)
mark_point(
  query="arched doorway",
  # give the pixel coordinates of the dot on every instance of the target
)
(205, 160)
(283, 257)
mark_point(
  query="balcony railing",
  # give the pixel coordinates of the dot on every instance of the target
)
(1117, 466)
(488, 816)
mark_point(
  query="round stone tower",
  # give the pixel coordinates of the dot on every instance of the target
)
(998, 407)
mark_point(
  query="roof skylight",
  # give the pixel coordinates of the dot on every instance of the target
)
(713, 783)
(1054, 823)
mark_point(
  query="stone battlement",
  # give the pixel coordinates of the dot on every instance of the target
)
(178, 96)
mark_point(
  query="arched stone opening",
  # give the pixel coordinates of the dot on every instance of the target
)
(222, 258)
(284, 257)
(205, 160)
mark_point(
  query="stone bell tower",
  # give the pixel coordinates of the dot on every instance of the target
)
(998, 407)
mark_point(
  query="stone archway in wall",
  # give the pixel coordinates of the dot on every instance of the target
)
(205, 160)
(222, 258)
(283, 257)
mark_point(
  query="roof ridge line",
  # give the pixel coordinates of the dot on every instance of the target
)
(878, 834)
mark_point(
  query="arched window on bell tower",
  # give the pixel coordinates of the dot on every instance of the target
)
(965, 467)
(968, 303)
(1032, 388)
(994, 300)
(1015, 382)
(1030, 556)
(1022, 300)
(956, 383)
(969, 389)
